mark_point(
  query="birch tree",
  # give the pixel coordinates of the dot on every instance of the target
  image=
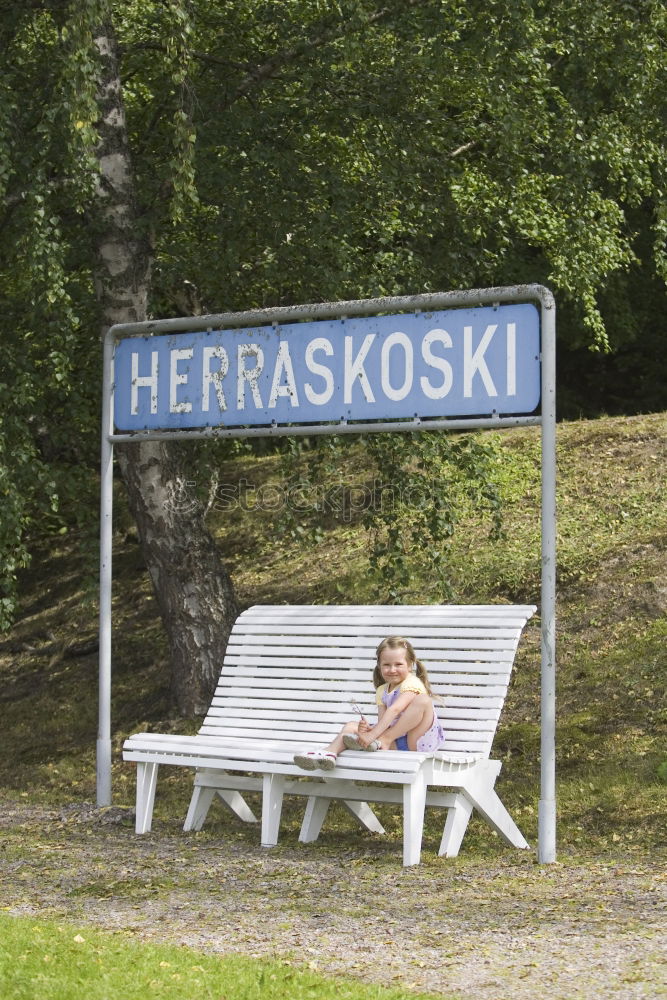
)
(192, 586)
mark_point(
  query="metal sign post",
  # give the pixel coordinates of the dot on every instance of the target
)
(438, 361)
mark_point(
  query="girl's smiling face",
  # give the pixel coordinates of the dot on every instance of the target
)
(394, 666)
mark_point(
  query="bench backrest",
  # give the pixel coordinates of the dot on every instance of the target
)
(290, 671)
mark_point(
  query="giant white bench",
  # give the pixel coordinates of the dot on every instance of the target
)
(287, 681)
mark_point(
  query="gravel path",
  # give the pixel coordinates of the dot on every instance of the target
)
(493, 928)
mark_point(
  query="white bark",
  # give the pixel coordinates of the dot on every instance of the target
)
(192, 587)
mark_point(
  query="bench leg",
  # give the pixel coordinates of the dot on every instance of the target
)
(363, 812)
(198, 808)
(238, 805)
(455, 826)
(317, 807)
(200, 803)
(316, 810)
(273, 787)
(146, 785)
(486, 802)
(414, 803)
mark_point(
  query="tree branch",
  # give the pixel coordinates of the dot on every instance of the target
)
(204, 57)
(269, 69)
(464, 148)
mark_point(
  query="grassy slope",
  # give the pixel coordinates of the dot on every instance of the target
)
(611, 637)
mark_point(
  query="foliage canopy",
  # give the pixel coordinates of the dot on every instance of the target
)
(303, 151)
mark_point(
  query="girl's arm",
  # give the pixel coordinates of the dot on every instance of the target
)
(386, 716)
(364, 724)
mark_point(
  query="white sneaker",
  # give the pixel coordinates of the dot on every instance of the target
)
(327, 761)
(307, 761)
(352, 743)
(312, 759)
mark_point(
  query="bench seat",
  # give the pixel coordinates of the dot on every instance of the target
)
(286, 683)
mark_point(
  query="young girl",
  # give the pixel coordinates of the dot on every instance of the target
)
(407, 719)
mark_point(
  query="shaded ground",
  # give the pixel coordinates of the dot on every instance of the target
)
(493, 928)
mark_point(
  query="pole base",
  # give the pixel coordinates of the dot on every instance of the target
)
(546, 831)
(103, 773)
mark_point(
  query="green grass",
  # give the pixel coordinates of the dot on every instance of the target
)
(56, 961)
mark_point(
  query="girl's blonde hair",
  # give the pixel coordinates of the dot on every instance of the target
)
(398, 642)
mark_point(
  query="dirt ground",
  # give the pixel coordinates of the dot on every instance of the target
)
(493, 928)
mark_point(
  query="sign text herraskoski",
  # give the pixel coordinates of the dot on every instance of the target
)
(453, 363)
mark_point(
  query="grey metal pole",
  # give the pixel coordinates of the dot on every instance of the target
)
(106, 536)
(547, 806)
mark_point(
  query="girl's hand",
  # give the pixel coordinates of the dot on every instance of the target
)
(364, 725)
(364, 736)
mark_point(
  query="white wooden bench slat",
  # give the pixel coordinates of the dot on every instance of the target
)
(487, 673)
(246, 697)
(259, 748)
(363, 650)
(298, 691)
(350, 645)
(227, 715)
(424, 633)
(453, 725)
(437, 669)
(217, 714)
(452, 700)
(459, 629)
(469, 615)
(285, 683)
(306, 737)
(255, 707)
(398, 624)
(336, 715)
(368, 611)
(358, 766)
(462, 686)
(275, 760)
(454, 704)
(456, 728)
(322, 731)
(310, 736)
(309, 658)
(257, 751)
(357, 676)
(290, 732)
(290, 706)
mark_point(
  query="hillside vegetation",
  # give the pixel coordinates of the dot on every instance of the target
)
(612, 631)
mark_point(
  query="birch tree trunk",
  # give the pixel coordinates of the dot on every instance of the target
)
(193, 589)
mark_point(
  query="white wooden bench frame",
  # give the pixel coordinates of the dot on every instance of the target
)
(290, 672)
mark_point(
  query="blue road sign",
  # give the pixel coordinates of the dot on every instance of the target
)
(451, 363)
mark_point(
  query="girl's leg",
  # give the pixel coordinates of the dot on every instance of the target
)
(325, 760)
(413, 723)
(337, 746)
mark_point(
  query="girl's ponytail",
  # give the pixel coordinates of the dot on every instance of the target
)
(420, 671)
